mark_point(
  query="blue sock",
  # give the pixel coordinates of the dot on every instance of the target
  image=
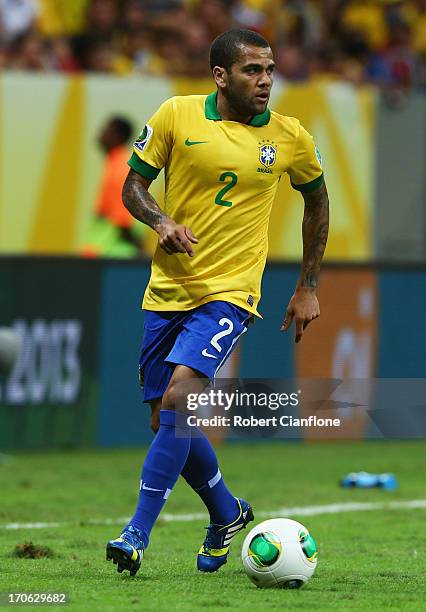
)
(201, 472)
(163, 464)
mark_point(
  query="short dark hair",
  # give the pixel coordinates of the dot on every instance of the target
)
(123, 128)
(225, 48)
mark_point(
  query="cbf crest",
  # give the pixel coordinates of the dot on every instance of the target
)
(267, 153)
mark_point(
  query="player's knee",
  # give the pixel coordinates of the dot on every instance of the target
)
(171, 398)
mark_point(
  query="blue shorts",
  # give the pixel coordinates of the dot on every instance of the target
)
(202, 339)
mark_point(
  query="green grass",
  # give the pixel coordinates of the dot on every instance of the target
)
(367, 560)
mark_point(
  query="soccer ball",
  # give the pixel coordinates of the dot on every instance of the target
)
(279, 553)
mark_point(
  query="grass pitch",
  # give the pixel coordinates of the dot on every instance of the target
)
(367, 560)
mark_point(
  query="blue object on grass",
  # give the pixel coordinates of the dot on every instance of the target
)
(365, 480)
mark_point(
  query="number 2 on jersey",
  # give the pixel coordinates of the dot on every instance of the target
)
(229, 185)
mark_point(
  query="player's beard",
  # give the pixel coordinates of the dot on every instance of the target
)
(238, 103)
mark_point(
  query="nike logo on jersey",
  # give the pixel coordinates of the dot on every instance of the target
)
(205, 353)
(189, 143)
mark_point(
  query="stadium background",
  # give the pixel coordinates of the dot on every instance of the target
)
(353, 72)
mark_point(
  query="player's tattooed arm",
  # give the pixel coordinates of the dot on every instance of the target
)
(173, 238)
(304, 306)
(139, 202)
(315, 233)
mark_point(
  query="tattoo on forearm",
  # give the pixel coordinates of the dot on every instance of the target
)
(315, 233)
(140, 203)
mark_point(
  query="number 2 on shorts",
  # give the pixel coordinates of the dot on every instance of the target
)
(215, 340)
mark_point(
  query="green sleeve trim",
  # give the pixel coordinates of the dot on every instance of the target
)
(142, 168)
(311, 186)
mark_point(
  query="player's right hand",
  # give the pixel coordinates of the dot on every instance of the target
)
(174, 238)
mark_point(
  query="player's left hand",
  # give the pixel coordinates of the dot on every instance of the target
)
(304, 308)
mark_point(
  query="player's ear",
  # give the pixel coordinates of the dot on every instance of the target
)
(219, 75)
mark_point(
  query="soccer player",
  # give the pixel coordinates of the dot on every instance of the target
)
(224, 155)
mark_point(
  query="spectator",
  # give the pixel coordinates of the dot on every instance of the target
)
(102, 17)
(112, 229)
(367, 16)
(99, 55)
(355, 51)
(16, 17)
(197, 44)
(94, 47)
(216, 15)
(167, 56)
(61, 55)
(291, 62)
(134, 16)
(28, 52)
(251, 15)
(395, 66)
(418, 25)
(62, 17)
(136, 53)
(378, 41)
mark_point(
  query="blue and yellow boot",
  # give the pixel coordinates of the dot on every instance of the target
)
(126, 551)
(214, 551)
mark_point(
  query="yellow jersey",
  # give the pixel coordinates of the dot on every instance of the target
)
(220, 181)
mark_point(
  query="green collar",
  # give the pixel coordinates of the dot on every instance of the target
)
(212, 113)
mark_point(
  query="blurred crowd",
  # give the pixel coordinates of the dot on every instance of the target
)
(360, 41)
